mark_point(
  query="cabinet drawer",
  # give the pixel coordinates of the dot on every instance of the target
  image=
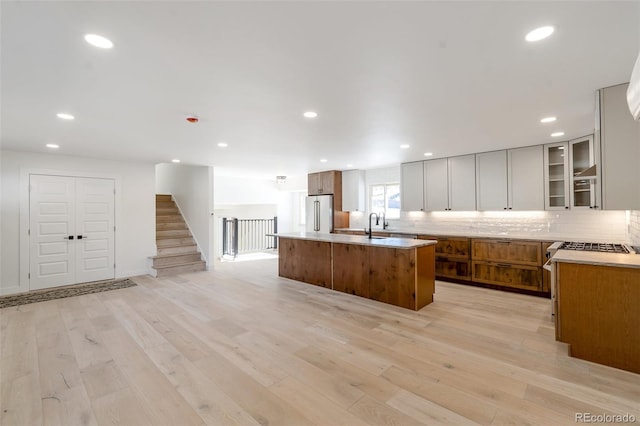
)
(451, 246)
(509, 275)
(508, 251)
(452, 268)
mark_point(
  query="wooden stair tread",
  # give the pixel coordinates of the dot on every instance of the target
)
(179, 264)
(170, 237)
(170, 255)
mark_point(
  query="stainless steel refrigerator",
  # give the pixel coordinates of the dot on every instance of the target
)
(319, 210)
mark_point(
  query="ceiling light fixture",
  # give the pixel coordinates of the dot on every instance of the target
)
(323, 160)
(539, 33)
(349, 165)
(175, 160)
(223, 144)
(53, 146)
(557, 134)
(404, 146)
(310, 114)
(548, 120)
(65, 116)
(428, 154)
(98, 41)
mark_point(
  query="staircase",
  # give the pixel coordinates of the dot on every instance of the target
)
(177, 251)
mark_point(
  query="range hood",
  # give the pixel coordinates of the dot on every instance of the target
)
(633, 91)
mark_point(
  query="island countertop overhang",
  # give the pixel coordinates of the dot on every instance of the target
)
(389, 242)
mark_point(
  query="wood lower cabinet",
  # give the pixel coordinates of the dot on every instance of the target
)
(509, 263)
(598, 313)
(402, 277)
(392, 276)
(453, 257)
(506, 274)
(351, 269)
(508, 251)
(305, 260)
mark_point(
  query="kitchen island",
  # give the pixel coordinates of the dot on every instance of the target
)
(598, 306)
(399, 271)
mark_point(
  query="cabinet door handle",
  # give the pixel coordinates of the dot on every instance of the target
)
(81, 237)
(503, 265)
(70, 237)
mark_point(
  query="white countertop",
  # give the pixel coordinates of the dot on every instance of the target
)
(550, 237)
(389, 242)
(598, 258)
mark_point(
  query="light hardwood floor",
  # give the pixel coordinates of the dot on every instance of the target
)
(239, 345)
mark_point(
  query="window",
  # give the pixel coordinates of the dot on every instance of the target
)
(385, 198)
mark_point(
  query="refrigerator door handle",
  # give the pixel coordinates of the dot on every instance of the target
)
(316, 215)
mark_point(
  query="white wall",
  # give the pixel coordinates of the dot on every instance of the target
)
(191, 187)
(135, 210)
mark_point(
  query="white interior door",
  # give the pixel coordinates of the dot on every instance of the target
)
(94, 229)
(52, 223)
(72, 235)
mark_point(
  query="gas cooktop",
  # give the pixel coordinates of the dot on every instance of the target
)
(601, 247)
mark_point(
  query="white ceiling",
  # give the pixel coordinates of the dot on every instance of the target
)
(445, 77)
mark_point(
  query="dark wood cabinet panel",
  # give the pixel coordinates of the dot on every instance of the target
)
(509, 251)
(453, 257)
(351, 269)
(511, 275)
(452, 268)
(304, 260)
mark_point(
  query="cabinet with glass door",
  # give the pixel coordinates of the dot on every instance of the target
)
(584, 173)
(556, 176)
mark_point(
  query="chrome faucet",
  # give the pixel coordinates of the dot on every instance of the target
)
(370, 233)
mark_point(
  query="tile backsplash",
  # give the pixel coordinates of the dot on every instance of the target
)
(594, 226)
(634, 227)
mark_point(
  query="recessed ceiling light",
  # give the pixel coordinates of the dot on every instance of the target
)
(323, 160)
(175, 160)
(428, 154)
(539, 33)
(548, 120)
(65, 116)
(310, 114)
(98, 41)
(223, 144)
(53, 146)
(557, 134)
(349, 165)
(404, 146)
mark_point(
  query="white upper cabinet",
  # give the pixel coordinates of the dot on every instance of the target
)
(525, 178)
(556, 176)
(353, 191)
(585, 182)
(436, 185)
(491, 180)
(462, 183)
(511, 179)
(620, 146)
(412, 189)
